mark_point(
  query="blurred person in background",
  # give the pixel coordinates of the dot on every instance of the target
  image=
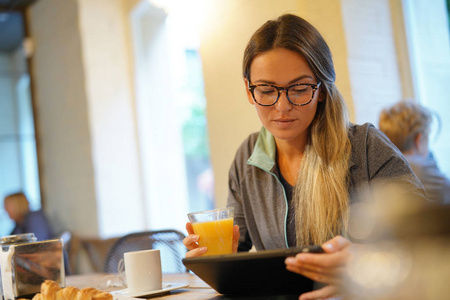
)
(26, 221)
(407, 124)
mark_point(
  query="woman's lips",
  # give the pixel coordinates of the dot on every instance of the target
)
(284, 122)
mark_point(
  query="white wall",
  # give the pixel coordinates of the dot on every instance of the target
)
(68, 176)
(111, 112)
(86, 117)
(160, 136)
(372, 57)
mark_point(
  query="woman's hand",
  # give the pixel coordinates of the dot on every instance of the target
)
(191, 241)
(325, 268)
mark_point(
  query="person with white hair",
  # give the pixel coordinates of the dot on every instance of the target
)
(407, 124)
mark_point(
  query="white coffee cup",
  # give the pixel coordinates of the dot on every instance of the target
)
(143, 271)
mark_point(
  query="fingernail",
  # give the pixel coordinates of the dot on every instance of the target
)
(328, 246)
(195, 238)
(202, 249)
(289, 260)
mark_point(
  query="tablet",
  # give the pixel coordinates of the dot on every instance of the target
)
(252, 273)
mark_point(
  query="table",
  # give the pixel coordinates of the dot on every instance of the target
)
(197, 288)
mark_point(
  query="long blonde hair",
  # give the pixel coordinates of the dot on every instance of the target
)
(320, 195)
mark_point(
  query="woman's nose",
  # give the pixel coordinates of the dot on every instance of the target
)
(283, 103)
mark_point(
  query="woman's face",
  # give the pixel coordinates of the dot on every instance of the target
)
(282, 68)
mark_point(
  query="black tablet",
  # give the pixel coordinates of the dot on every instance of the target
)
(252, 273)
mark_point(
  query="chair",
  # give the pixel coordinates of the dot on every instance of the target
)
(97, 250)
(169, 242)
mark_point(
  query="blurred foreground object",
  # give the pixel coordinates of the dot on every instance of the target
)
(25, 266)
(405, 252)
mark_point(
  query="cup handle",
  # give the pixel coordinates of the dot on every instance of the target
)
(121, 270)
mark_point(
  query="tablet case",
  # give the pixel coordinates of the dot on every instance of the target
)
(252, 273)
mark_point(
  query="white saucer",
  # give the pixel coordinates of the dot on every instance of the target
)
(166, 287)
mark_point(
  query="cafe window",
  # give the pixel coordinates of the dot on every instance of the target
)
(18, 158)
(448, 14)
(428, 35)
(171, 119)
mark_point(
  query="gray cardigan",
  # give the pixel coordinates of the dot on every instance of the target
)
(259, 198)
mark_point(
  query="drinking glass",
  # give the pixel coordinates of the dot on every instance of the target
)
(215, 228)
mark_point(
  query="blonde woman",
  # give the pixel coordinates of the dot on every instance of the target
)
(291, 183)
(26, 221)
(407, 124)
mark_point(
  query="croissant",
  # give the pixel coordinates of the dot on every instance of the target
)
(50, 290)
(102, 296)
(67, 293)
(92, 294)
(38, 296)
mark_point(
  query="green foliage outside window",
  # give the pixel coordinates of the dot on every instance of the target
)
(448, 11)
(195, 135)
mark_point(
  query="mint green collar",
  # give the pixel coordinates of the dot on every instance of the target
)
(264, 153)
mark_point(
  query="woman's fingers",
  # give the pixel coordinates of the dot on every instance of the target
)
(336, 244)
(324, 261)
(323, 293)
(236, 236)
(334, 272)
(196, 252)
(191, 240)
(189, 228)
(330, 278)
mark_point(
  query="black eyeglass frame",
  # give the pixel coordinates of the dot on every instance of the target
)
(252, 87)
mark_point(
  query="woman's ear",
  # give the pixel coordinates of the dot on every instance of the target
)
(249, 94)
(322, 95)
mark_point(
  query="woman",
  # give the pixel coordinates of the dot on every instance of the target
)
(291, 183)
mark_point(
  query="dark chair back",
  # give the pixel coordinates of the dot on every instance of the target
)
(169, 242)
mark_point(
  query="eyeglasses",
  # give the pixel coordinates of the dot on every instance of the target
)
(297, 94)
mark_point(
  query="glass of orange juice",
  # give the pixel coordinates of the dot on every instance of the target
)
(215, 228)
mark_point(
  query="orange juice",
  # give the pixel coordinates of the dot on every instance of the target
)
(217, 236)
